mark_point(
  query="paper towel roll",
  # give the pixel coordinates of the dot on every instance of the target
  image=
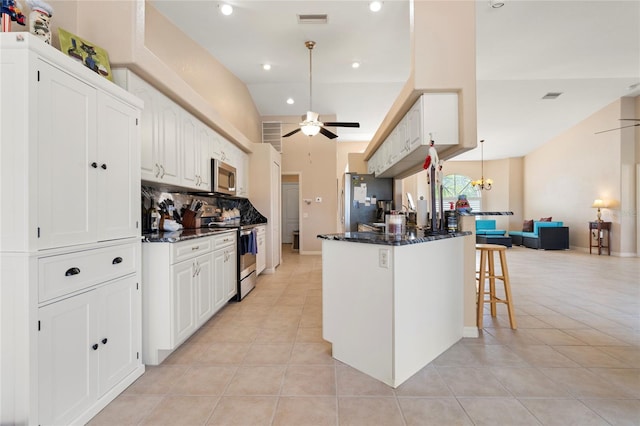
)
(422, 209)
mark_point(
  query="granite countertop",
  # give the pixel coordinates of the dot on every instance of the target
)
(182, 235)
(486, 213)
(411, 237)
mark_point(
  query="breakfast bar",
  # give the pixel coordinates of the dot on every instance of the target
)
(392, 303)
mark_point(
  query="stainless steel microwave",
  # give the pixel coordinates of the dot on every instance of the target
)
(223, 177)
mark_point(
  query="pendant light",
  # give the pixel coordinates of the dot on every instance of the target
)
(482, 183)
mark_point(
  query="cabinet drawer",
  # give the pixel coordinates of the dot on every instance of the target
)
(226, 240)
(190, 248)
(64, 274)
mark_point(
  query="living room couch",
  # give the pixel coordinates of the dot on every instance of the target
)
(545, 235)
(488, 227)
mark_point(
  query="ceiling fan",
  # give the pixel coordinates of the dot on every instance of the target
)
(623, 127)
(311, 124)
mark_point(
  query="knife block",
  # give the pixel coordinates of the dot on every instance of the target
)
(189, 219)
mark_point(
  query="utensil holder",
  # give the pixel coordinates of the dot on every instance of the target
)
(189, 219)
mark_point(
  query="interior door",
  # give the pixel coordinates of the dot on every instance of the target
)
(290, 211)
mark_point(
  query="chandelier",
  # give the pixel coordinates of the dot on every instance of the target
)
(482, 183)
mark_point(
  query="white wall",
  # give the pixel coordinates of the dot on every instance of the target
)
(564, 176)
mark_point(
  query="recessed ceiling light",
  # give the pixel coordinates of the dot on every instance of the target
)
(226, 9)
(355, 64)
(375, 6)
(266, 67)
(496, 4)
(290, 101)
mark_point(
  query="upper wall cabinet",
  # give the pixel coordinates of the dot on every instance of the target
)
(69, 153)
(176, 146)
(433, 116)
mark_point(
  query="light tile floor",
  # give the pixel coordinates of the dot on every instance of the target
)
(574, 360)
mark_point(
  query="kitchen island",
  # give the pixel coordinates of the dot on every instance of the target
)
(392, 303)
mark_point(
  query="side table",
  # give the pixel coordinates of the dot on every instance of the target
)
(597, 238)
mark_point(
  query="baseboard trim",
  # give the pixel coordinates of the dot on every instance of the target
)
(470, 332)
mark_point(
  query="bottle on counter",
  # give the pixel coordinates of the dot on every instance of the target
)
(155, 219)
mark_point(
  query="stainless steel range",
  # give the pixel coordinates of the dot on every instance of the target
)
(246, 253)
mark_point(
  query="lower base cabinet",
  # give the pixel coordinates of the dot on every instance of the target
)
(197, 280)
(87, 345)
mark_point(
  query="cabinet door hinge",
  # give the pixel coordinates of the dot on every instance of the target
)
(38, 325)
(137, 286)
(38, 75)
(136, 121)
(137, 355)
(136, 224)
(38, 232)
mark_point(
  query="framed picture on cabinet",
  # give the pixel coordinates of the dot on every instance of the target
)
(91, 56)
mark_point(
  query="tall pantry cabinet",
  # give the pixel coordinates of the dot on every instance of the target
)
(265, 187)
(70, 296)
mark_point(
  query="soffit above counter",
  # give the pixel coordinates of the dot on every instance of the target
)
(127, 48)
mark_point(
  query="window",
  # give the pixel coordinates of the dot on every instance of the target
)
(454, 185)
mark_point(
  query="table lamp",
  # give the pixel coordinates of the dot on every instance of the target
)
(598, 204)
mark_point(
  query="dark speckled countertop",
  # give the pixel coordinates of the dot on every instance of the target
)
(182, 235)
(411, 237)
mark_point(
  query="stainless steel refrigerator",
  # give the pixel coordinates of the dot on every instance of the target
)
(359, 199)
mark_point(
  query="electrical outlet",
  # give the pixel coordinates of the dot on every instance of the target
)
(383, 258)
(318, 199)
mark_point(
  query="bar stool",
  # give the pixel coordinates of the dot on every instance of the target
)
(487, 270)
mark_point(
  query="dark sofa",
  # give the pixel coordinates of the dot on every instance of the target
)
(545, 235)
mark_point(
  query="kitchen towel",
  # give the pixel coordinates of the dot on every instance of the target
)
(249, 243)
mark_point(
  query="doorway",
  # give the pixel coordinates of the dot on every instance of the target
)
(290, 207)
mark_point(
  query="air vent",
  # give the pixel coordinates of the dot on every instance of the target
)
(552, 95)
(272, 133)
(312, 19)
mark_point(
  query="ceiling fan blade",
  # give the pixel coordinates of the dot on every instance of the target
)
(327, 133)
(618, 128)
(341, 124)
(291, 133)
(630, 119)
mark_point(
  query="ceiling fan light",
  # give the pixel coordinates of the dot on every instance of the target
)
(266, 67)
(355, 64)
(226, 9)
(375, 6)
(290, 101)
(310, 129)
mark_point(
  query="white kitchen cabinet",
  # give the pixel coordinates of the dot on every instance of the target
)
(86, 347)
(204, 291)
(86, 148)
(168, 141)
(266, 197)
(205, 138)
(183, 294)
(261, 256)
(118, 189)
(196, 157)
(185, 284)
(177, 147)
(434, 115)
(225, 270)
(69, 236)
(66, 359)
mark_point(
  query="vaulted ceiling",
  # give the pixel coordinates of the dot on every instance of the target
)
(589, 51)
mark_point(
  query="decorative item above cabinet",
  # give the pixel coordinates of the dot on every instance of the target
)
(433, 116)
